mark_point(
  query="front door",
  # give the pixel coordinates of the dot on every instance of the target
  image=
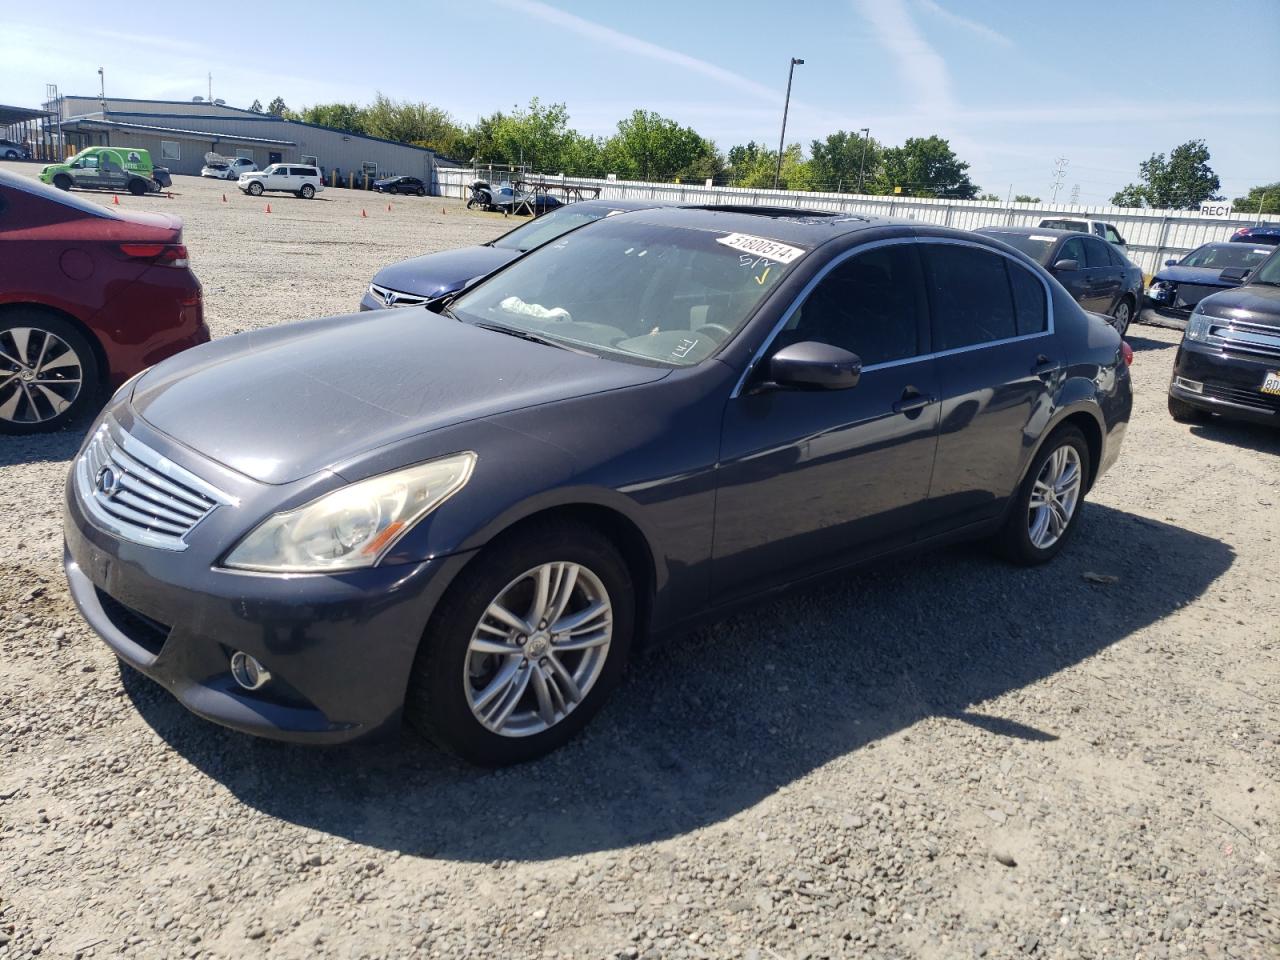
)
(85, 173)
(811, 479)
(1106, 274)
(998, 367)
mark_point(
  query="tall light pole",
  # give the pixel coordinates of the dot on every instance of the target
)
(102, 90)
(862, 166)
(786, 105)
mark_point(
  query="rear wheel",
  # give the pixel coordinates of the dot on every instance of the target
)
(62, 181)
(11, 154)
(137, 187)
(1123, 315)
(421, 191)
(48, 372)
(307, 191)
(1046, 509)
(255, 189)
(525, 646)
(1186, 413)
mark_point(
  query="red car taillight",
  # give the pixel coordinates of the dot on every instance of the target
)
(1126, 351)
(161, 254)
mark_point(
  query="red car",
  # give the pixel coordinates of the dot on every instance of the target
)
(89, 296)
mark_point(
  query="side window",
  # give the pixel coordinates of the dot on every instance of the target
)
(1095, 252)
(1028, 299)
(89, 163)
(868, 305)
(1117, 258)
(1111, 234)
(1073, 249)
(969, 296)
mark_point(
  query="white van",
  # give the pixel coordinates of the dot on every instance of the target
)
(295, 178)
(1099, 228)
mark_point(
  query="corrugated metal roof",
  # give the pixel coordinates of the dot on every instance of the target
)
(93, 122)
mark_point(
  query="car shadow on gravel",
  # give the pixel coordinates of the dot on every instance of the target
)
(42, 447)
(714, 722)
(1141, 344)
(1239, 433)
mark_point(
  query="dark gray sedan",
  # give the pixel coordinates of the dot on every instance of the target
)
(310, 531)
(1097, 274)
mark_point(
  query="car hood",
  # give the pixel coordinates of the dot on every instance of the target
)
(284, 403)
(1253, 303)
(440, 273)
(1203, 275)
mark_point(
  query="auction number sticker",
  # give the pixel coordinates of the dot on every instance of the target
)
(761, 247)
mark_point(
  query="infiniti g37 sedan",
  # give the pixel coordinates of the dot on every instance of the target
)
(306, 536)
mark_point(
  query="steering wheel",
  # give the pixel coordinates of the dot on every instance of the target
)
(709, 329)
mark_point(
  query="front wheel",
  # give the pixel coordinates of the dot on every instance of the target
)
(137, 187)
(526, 645)
(11, 155)
(421, 191)
(1186, 413)
(307, 191)
(48, 372)
(62, 182)
(255, 189)
(1045, 510)
(1123, 316)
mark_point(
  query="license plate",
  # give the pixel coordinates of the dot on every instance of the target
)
(1271, 383)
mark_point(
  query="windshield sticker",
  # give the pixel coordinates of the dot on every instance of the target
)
(761, 246)
(1035, 237)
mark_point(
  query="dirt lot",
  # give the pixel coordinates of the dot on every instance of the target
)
(947, 757)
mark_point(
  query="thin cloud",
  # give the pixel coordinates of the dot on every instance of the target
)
(920, 67)
(973, 26)
(641, 48)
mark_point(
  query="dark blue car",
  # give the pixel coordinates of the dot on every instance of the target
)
(414, 282)
(1181, 284)
(310, 531)
(1268, 234)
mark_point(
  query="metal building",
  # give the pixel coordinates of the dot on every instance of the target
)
(178, 134)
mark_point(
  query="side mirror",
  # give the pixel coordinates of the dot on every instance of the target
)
(1171, 263)
(1067, 266)
(815, 366)
(1235, 273)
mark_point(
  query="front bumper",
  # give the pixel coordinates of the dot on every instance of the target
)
(339, 648)
(1161, 316)
(1229, 384)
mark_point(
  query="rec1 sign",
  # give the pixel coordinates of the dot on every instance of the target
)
(1215, 209)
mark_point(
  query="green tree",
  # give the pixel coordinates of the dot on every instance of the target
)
(651, 147)
(989, 197)
(407, 122)
(1183, 181)
(836, 163)
(755, 168)
(277, 107)
(535, 135)
(256, 106)
(339, 116)
(1265, 197)
(925, 167)
(1025, 198)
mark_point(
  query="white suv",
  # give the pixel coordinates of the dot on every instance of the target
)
(1099, 228)
(304, 181)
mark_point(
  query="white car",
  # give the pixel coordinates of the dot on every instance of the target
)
(228, 169)
(1098, 228)
(295, 178)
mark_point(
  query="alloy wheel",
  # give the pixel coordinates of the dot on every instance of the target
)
(40, 375)
(1123, 315)
(1054, 497)
(538, 649)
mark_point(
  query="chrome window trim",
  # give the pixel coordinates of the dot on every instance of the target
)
(892, 241)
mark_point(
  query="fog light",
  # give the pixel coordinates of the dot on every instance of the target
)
(1195, 386)
(247, 671)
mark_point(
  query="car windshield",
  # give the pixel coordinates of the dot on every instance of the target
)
(633, 290)
(1075, 225)
(1223, 255)
(546, 228)
(1269, 272)
(1034, 246)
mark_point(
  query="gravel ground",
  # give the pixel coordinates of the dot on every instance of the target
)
(946, 757)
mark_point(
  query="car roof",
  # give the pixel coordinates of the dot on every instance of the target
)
(600, 203)
(787, 224)
(1054, 232)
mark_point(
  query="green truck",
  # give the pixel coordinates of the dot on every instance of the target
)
(108, 168)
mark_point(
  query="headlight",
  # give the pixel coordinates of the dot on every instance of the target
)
(1159, 290)
(1198, 327)
(354, 526)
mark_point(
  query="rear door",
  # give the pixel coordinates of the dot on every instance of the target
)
(1106, 275)
(810, 479)
(1076, 280)
(997, 370)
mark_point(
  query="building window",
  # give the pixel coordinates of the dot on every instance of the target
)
(245, 152)
(314, 161)
(170, 150)
(370, 168)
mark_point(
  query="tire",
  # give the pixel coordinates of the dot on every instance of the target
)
(11, 155)
(137, 187)
(421, 191)
(62, 181)
(307, 191)
(448, 676)
(255, 189)
(44, 398)
(1018, 540)
(1123, 315)
(1184, 412)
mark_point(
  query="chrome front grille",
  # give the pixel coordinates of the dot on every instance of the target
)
(1239, 336)
(394, 298)
(135, 493)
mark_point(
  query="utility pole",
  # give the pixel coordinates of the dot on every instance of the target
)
(102, 91)
(786, 105)
(1059, 174)
(211, 86)
(862, 166)
(1075, 194)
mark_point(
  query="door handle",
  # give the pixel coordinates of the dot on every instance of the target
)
(1044, 366)
(911, 401)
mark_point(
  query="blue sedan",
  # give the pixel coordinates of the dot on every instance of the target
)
(1181, 284)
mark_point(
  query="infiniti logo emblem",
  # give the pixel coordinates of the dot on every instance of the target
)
(108, 482)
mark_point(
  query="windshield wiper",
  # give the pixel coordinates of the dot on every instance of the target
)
(532, 337)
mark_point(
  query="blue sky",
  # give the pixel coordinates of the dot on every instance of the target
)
(1013, 85)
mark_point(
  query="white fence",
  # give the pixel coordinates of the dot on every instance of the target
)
(1153, 236)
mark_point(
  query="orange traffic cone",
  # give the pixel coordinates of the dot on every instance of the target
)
(268, 208)
(362, 213)
(115, 199)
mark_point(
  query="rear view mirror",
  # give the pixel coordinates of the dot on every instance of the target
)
(815, 366)
(1235, 273)
(1067, 265)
